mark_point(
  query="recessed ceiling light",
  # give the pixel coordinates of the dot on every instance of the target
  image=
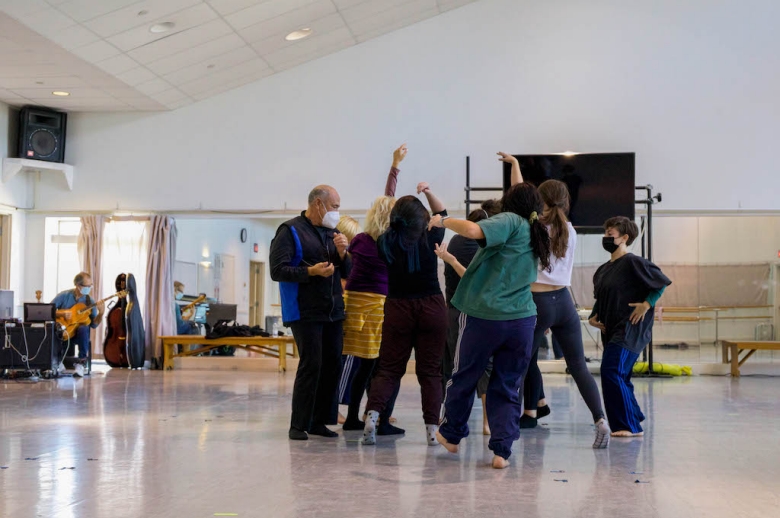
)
(211, 65)
(299, 34)
(161, 27)
(39, 82)
(61, 94)
(144, 12)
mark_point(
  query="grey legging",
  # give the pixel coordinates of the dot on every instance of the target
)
(556, 311)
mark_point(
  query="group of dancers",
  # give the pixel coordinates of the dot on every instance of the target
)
(507, 273)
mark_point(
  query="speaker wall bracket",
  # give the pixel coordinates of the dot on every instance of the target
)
(13, 166)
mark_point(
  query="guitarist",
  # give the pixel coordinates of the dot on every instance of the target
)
(183, 327)
(69, 298)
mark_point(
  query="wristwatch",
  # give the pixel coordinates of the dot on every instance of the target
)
(443, 219)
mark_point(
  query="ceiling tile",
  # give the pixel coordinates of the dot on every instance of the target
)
(296, 19)
(320, 52)
(145, 104)
(183, 20)
(196, 54)
(128, 17)
(234, 73)
(175, 105)
(75, 93)
(319, 27)
(167, 97)
(29, 71)
(153, 86)
(264, 11)
(97, 51)
(117, 64)
(83, 10)
(136, 76)
(393, 19)
(51, 84)
(393, 26)
(371, 8)
(47, 21)
(308, 46)
(217, 64)
(122, 92)
(236, 83)
(224, 7)
(447, 5)
(21, 8)
(7, 96)
(73, 36)
(344, 4)
(181, 41)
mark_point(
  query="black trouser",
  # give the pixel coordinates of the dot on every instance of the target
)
(315, 393)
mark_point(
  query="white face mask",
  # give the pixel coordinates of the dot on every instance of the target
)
(331, 219)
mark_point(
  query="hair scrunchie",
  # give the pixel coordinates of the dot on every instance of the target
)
(533, 217)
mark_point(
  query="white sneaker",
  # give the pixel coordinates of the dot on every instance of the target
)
(61, 368)
(79, 371)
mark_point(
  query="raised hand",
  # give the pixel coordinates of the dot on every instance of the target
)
(435, 222)
(423, 187)
(322, 270)
(504, 157)
(442, 253)
(399, 155)
(594, 321)
(640, 309)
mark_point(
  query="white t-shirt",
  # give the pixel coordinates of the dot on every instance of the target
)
(561, 266)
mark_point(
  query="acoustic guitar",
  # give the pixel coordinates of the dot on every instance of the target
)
(189, 307)
(80, 314)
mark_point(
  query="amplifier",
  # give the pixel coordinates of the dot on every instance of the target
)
(28, 346)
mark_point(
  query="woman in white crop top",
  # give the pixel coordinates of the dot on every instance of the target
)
(556, 311)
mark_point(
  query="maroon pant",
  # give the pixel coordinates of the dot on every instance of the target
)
(419, 324)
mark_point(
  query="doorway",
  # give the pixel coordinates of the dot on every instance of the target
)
(256, 293)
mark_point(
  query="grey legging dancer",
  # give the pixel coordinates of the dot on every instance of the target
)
(556, 311)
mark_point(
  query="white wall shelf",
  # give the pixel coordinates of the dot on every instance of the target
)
(13, 166)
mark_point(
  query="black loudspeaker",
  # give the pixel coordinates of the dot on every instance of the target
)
(42, 134)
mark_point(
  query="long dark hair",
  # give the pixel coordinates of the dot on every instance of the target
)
(407, 232)
(555, 195)
(524, 200)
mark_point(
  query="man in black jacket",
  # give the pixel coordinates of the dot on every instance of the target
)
(309, 258)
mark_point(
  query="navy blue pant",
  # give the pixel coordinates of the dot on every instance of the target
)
(623, 412)
(509, 342)
(81, 338)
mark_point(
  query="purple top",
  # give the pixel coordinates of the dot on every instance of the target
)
(369, 272)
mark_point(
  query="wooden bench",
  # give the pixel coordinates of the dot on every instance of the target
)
(731, 352)
(268, 346)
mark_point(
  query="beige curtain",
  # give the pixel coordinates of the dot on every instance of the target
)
(90, 247)
(160, 320)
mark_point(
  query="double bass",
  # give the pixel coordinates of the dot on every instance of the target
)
(115, 344)
(125, 343)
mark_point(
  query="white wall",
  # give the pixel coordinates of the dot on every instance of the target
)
(689, 85)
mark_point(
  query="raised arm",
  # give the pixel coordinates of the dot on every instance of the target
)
(463, 227)
(392, 178)
(434, 203)
(449, 259)
(517, 176)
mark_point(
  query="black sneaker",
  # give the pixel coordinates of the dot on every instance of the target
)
(355, 424)
(297, 435)
(388, 429)
(542, 411)
(527, 421)
(322, 431)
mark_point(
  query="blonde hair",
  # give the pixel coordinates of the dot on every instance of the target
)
(378, 216)
(348, 226)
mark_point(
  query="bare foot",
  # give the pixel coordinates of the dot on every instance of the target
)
(341, 419)
(500, 462)
(627, 433)
(452, 448)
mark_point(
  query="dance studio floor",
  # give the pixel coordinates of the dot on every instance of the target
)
(146, 444)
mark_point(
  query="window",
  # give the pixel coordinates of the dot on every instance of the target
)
(61, 255)
(125, 245)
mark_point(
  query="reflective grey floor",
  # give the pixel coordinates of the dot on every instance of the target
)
(193, 444)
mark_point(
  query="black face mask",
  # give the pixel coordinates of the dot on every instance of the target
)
(609, 244)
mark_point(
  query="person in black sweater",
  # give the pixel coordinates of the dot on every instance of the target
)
(462, 251)
(626, 290)
(308, 258)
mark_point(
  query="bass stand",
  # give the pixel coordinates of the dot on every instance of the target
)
(647, 251)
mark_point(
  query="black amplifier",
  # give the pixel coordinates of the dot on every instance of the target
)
(29, 346)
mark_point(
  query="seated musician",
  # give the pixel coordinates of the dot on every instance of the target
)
(65, 301)
(183, 327)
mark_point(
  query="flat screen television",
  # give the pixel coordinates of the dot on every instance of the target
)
(601, 185)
